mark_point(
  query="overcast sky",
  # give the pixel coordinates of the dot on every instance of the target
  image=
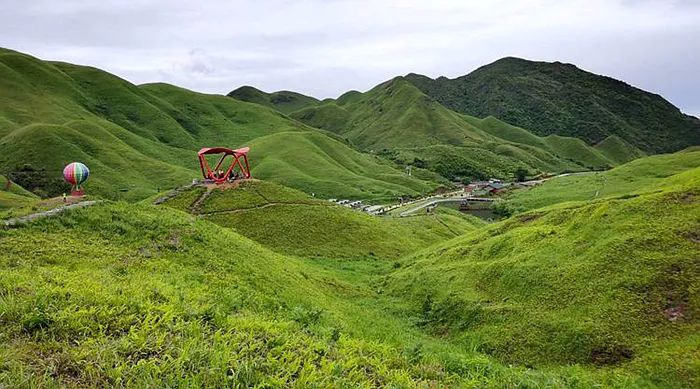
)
(326, 47)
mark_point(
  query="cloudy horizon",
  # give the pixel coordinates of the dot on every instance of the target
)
(325, 48)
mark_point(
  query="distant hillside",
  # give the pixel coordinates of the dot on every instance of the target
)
(639, 176)
(283, 101)
(398, 120)
(556, 98)
(138, 140)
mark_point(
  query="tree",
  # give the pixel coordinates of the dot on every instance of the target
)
(521, 174)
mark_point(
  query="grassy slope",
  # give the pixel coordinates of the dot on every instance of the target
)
(586, 283)
(14, 196)
(192, 303)
(618, 150)
(291, 222)
(177, 312)
(556, 98)
(639, 176)
(397, 118)
(137, 140)
(318, 164)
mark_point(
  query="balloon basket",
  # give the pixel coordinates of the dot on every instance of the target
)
(77, 193)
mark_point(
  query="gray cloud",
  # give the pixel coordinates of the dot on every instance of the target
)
(324, 48)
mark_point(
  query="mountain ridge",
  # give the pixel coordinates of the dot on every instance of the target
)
(397, 119)
(561, 98)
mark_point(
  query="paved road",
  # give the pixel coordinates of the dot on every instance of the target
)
(443, 200)
(50, 212)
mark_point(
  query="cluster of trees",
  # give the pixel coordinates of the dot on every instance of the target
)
(41, 182)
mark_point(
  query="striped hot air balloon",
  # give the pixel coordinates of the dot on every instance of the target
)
(76, 173)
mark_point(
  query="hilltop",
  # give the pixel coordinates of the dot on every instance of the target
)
(283, 101)
(558, 98)
(139, 140)
(508, 115)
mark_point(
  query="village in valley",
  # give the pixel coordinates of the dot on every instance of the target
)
(473, 196)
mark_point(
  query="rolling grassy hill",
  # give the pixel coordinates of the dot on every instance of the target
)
(592, 283)
(643, 175)
(606, 283)
(145, 300)
(589, 294)
(138, 140)
(556, 98)
(398, 120)
(294, 223)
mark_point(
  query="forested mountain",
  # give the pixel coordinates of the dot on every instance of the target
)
(558, 98)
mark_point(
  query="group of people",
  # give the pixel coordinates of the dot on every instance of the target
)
(220, 174)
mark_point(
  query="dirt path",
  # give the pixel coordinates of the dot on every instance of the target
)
(51, 212)
(173, 193)
(194, 208)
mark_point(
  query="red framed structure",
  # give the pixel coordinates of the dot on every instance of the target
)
(239, 157)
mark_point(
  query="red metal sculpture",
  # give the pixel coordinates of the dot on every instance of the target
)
(239, 157)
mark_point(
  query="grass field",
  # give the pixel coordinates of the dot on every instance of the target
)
(13, 197)
(592, 282)
(576, 295)
(605, 283)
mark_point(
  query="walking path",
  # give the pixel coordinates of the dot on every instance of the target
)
(51, 212)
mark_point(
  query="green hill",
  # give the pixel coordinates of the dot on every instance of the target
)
(556, 98)
(315, 163)
(138, 140)
(596, 294)
(639, 176)
(606, 283)
(292, 222)
(156, 297)
(396, 119)
(283, 101)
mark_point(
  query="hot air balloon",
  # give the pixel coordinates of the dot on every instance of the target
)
(76, 173)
